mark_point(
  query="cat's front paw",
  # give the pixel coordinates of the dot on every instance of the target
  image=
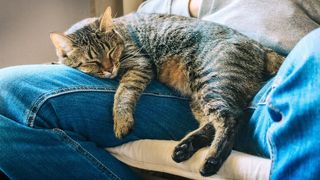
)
(122, 125)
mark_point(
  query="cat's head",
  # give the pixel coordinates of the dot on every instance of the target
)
(91, 45)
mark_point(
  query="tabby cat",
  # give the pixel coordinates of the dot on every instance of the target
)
(217, 67)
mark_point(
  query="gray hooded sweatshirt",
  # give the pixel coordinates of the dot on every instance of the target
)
(278, 24)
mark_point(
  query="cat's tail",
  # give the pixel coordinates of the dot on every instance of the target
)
(273, 62)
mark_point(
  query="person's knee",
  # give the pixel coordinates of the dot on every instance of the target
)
(12, 82)
(304, 55)
(310, 44)
(314, 35)
(8, 78)
(16, 79)
(19, 87)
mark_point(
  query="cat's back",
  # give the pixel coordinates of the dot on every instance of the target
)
(162, 34)
(165, 24)
(194, 48)
(179, 32)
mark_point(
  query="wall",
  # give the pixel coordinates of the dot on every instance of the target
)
(25, 26)
(119, 7)
(131, 5)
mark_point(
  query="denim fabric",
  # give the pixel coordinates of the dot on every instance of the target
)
(56, 121)
(285, 121)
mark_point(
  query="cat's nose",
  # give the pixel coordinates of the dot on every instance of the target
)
(107, 66)
(108, 69)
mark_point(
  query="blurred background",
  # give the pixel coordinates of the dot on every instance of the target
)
(25, 25)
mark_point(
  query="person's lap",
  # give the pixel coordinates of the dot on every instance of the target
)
(75, 109)
(54, 111)
(56, 96)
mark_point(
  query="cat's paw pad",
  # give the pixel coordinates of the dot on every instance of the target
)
(183, 151)
(122, 126)
(211, 166)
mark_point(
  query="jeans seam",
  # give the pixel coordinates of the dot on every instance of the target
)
(271, 149)
(272, 146)
(267, 102)
(78, 148)
(31, 115)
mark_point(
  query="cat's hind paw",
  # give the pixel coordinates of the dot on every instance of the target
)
(182, 152)
(216, 156)
(211, 166)
(193, 142)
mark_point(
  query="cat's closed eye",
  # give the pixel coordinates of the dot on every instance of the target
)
(88, 67)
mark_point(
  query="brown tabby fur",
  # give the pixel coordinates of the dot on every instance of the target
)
(217, 67)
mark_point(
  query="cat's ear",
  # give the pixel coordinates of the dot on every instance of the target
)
(106, 23)
(62, 43)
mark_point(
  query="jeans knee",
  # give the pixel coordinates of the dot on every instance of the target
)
(18, 86)
(310, 44)
(8, 77)
(305, 55)
(314, 35)
(16, 79)
(10, 85)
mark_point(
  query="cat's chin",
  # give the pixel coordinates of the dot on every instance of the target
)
(106, 75)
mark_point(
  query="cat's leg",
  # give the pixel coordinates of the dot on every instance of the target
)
(132, 84)
(201, 137)
(218, 127)
(217, 131)
(223, 112)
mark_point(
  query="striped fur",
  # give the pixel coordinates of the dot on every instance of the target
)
(217, 67)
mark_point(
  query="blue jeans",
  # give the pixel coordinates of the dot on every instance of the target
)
(56, 121)
(285, 120)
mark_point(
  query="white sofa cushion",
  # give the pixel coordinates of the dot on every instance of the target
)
(155, 155)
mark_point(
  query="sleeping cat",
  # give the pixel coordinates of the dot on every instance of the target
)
(217, 67)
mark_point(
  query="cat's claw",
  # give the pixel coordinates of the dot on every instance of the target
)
(183, 146)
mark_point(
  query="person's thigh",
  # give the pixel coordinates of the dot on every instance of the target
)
(294, 109)
(55, 96)
(285, 121)
(29, 153)
(252, 136)
(55, 121)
